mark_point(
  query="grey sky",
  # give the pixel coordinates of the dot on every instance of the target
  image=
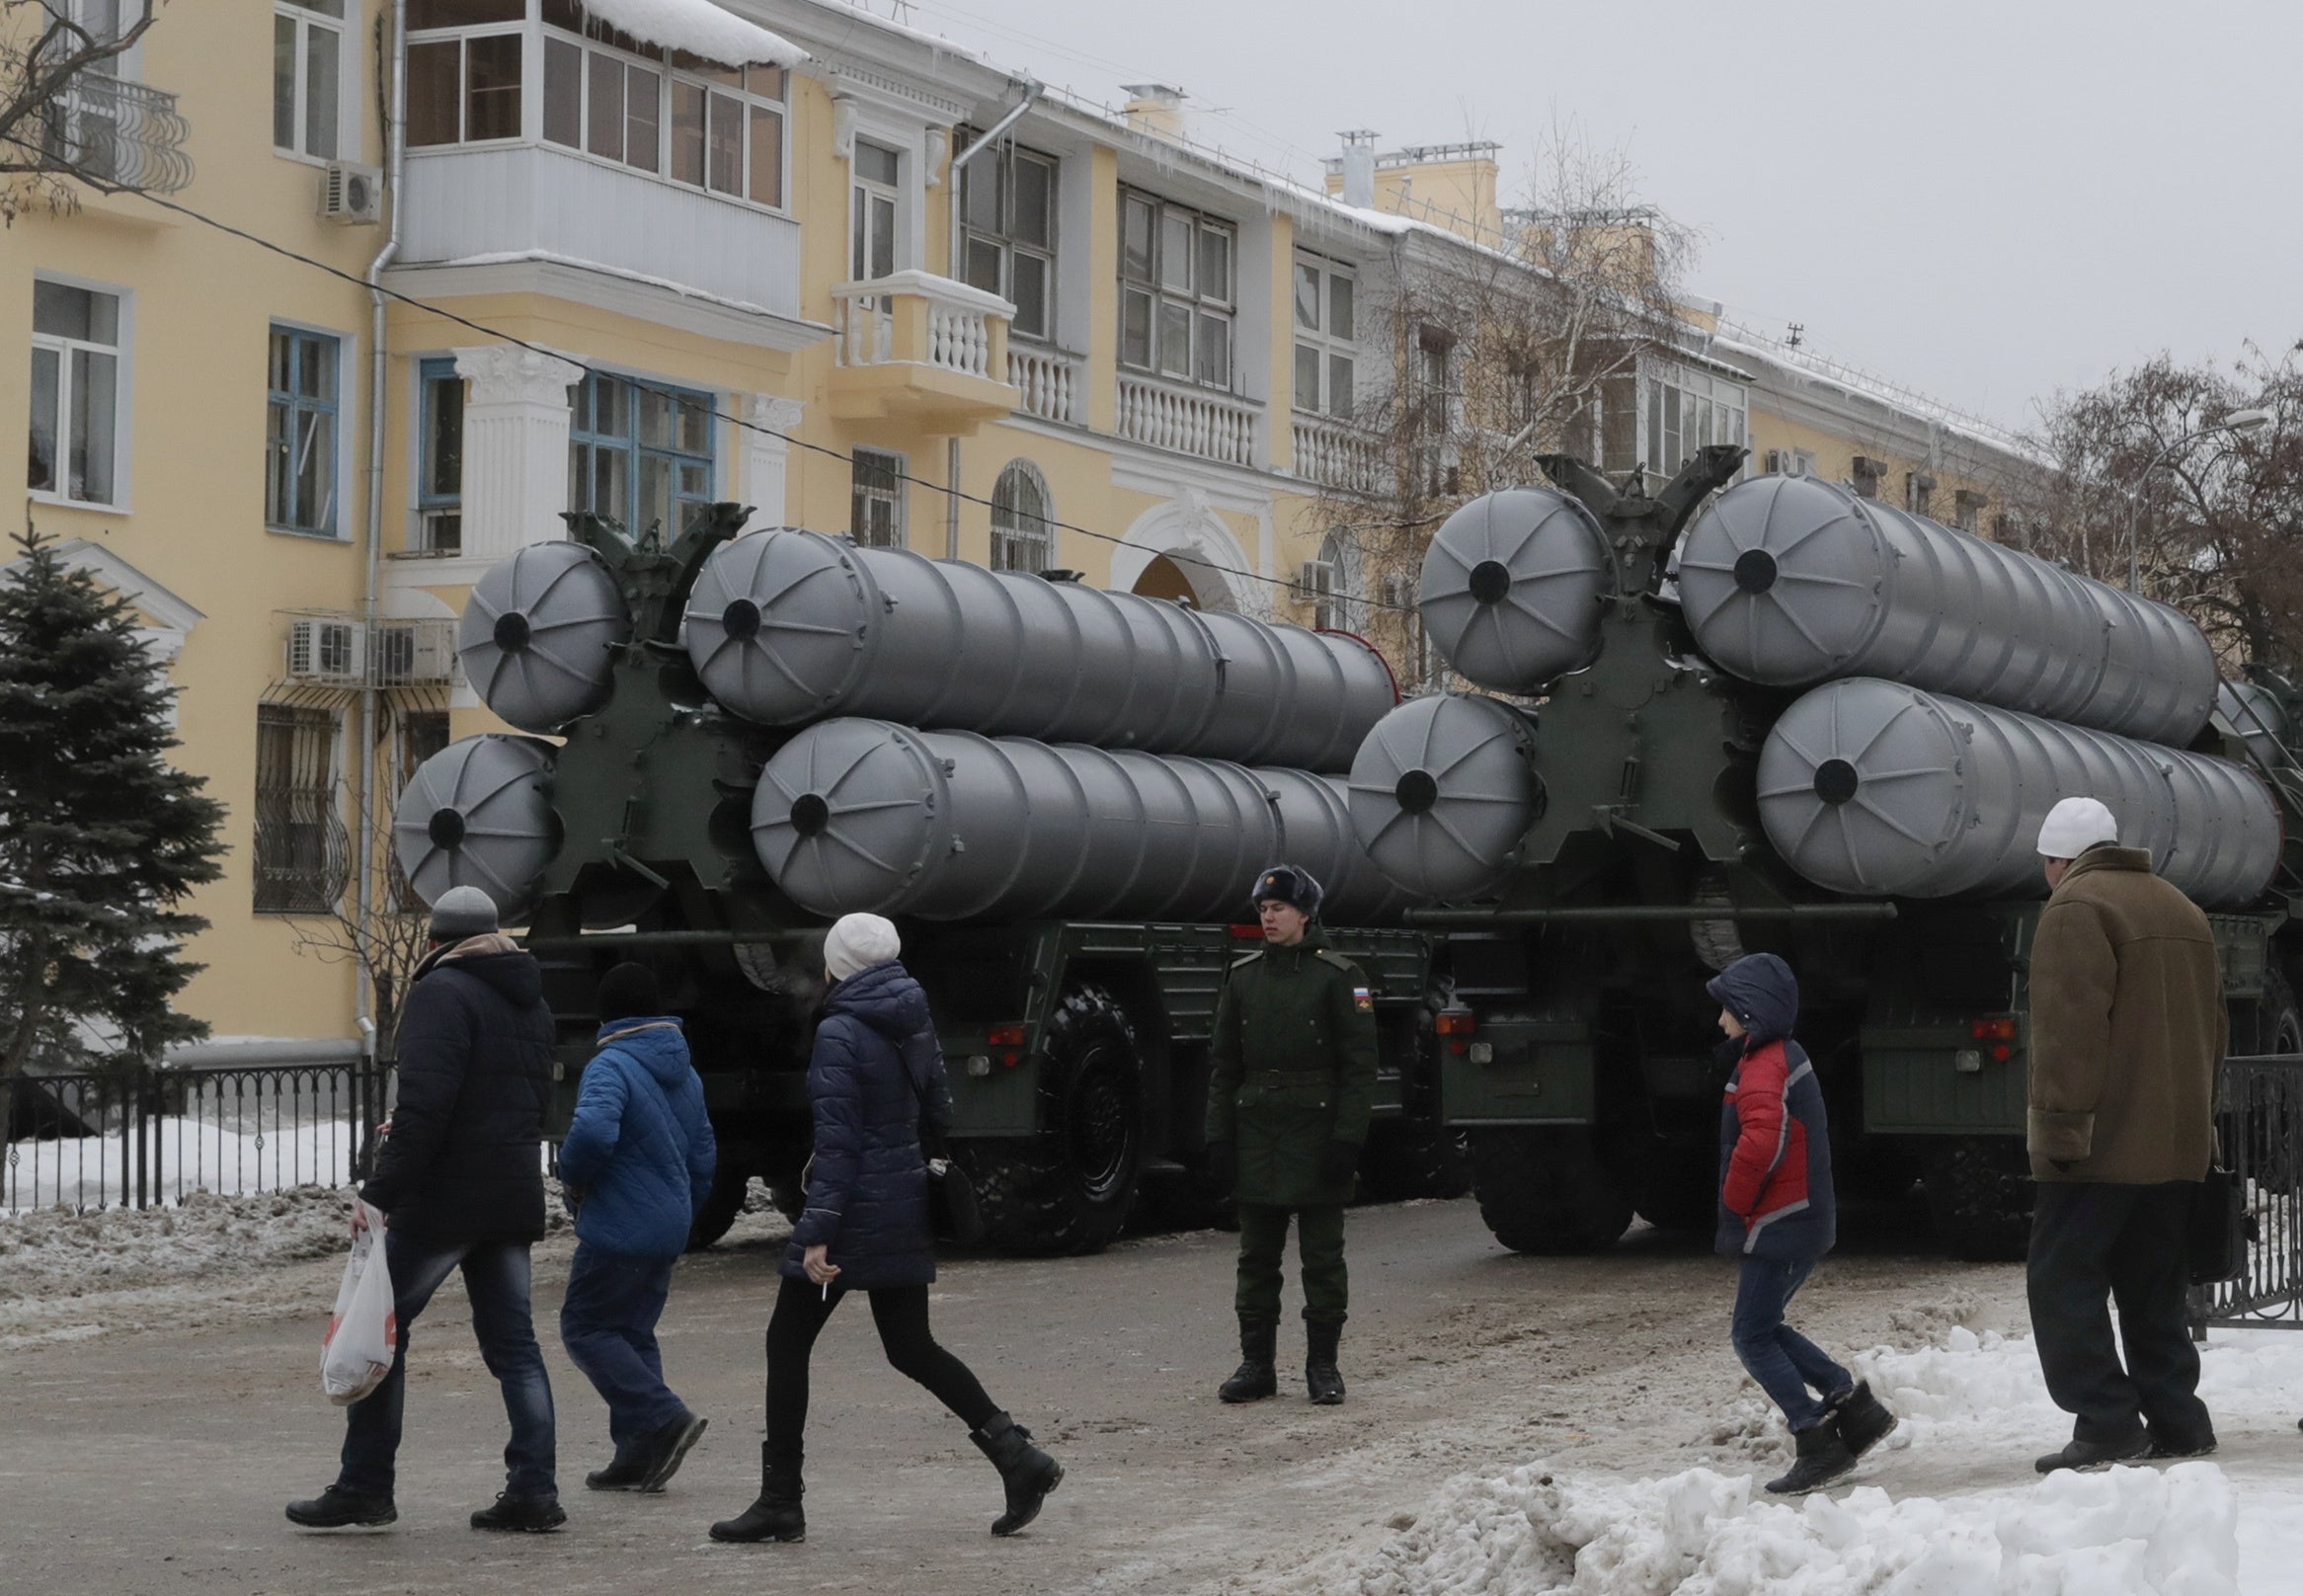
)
(1986, 201)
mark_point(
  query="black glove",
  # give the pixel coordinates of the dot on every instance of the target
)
(1222, 1167)
(1338, 1163)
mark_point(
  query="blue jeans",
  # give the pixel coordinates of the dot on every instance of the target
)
(1784, 1362)
(496, 1279)
(607, 1323)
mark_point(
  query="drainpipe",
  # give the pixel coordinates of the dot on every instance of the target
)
(951, 474)
(396, 147)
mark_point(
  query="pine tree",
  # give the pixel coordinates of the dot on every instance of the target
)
(101, 837)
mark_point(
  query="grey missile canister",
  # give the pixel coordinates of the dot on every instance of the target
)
(1789, 580)
(478, 814)
(537, 634)
(789, 627)
(1443, 791)
(1873, 787)
(856, 815)
(1511, 588)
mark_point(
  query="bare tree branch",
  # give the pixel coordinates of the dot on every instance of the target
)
(44, 51)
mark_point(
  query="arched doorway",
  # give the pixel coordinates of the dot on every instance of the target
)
(1181, 550)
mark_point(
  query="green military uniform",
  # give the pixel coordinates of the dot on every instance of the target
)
(1294, 1071)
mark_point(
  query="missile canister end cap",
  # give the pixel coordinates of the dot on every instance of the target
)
(849, 815)
(1861, 786)
(776, 625)
(536, 633)
(1511, 587)
(479, 814)
(1780, 579)
(1442, 791)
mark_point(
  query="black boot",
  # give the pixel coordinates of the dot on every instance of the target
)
(776, 1516)
(2092, 1455)
(1255, 1378)
(1028, 1472)
(526, 1515)
(337, 1509)
(619, 1474)
(1864, 1420)
(1320, 1371)
(1822, 1458)
(665, 1451)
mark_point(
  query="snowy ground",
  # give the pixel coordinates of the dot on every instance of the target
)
(2192, 1528)
(181, 1154)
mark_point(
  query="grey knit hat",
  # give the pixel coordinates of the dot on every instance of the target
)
(460, 913)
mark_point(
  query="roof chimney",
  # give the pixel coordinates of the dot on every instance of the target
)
(1156, 109)
(1359, 168)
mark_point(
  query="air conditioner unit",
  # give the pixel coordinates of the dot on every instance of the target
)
(351, 195)
(1400, 592)
(413, 653)
(323, 650)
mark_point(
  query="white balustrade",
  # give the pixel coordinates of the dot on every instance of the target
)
(925, 319)
(1212, 425)
(1337, 456)
(1050, 384)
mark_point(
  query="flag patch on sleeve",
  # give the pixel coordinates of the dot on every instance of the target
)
(1363, 1000)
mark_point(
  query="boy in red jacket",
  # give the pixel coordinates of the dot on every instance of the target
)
(1777, 1213)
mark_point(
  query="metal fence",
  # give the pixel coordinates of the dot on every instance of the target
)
(145, 1136)
(2259, 1124)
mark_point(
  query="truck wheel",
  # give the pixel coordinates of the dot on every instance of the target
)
(1068, 1188)
(1543, 1190)
(1413, 1158)
(1979, 1196)
(1678, 1187)
(730, 1182)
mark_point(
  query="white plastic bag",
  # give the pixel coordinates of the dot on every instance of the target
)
(363, 1331)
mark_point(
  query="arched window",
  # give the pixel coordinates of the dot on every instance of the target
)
(1021, 538)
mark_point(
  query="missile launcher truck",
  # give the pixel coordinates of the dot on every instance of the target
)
(1784, 717)
(1060, 794)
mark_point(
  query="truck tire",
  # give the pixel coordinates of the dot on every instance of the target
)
(1543, 1190)
(730, 1182)
(1979, 1196)
(1406, 1159)
(1678, 1187)
(1067, 1188)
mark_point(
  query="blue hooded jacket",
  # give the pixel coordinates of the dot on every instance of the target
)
(1776, 1199)
(867, 1183)
(641, 1145)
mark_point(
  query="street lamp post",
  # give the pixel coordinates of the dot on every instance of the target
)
(2238, 423)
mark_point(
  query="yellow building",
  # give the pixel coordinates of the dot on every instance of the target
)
(780, 252)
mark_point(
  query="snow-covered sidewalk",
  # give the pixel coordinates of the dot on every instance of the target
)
(1910, 1526)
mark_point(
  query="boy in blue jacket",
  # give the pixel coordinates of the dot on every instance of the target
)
(1778, 1216)
(637, 1163)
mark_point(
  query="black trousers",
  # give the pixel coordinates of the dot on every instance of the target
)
(2090, 1241)
(901, 1313)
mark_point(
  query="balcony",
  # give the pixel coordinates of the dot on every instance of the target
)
(1188, 421)
(496, 203)
(118, 133)
(1337, 457)
(1052, 386)
(921, 348)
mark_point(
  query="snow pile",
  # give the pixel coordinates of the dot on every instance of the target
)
(56, 1252)
(1537, 1533)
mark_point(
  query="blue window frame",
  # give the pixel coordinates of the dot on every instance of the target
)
(639, 456)
(440, 468)
(299, 475)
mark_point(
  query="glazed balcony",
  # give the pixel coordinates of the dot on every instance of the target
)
(921, 348)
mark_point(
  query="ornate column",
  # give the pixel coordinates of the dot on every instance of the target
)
(515, 449)
(766, 456)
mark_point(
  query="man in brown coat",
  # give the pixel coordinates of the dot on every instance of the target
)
(2127, 1034)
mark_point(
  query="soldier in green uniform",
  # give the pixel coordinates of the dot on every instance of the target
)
(1293, 1079)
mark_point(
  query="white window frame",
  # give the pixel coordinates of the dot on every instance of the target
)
(999, 166)
(122, 380)
(347, 137)
(530, 122)
(1204, 309)
(864, 193)
(894, 497)
(1682, 407)
(1319, 336)
(1011, 538)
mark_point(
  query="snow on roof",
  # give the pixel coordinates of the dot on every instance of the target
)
(701, 29)
(1741, 340)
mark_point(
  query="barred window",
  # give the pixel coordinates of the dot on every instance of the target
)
(301, 850)
(876, 499)
(1021, 538)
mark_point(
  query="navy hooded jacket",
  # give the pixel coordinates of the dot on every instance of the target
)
(867, 1183)
(1776, 1200)
(641, 1145)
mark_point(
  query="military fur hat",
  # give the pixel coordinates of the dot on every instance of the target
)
(1288, 884)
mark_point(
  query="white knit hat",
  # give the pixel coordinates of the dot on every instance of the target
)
(857, 941)
(2074, 825)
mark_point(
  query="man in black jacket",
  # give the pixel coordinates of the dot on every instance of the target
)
(460, 1184)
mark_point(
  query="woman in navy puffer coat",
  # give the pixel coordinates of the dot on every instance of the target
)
(876, 1066)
